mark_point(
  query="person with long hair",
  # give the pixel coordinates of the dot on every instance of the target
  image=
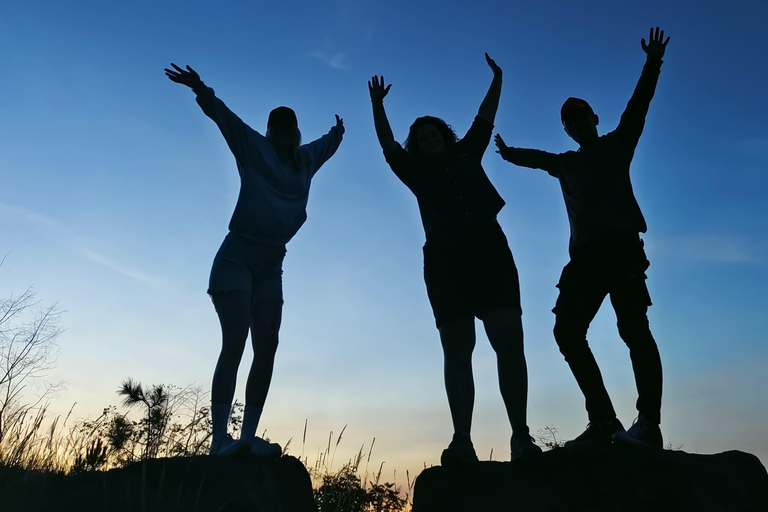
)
(468, 267)
(245, 283)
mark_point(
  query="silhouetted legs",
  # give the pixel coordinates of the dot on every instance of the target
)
(237, 316)
(265, 326)
(616, 269)
(632, 321)
(504, 329)
(458, 339)
(505, 332)
(234, 311)
(575, 309)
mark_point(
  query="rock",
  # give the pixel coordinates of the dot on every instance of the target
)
(226, 484)
(597, 478)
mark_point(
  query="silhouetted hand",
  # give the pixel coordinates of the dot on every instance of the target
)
(494, 67)
(377, 89)
(190, 78)
(501, 148)
(655, 47)
(339, 123)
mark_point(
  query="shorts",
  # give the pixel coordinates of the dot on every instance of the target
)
(242, 264)
(470, 274)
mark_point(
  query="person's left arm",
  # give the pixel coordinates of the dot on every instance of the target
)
(490, 104)
(322, 149)
(479, 134)
(633, 119)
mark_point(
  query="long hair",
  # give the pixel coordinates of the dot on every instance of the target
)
(296, 142)
(412, 142)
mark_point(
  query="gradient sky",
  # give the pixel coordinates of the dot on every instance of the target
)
(117, 190)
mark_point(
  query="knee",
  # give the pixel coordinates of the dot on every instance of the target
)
(571, 340)
(458, 340)
(635, 332)
(266, 343)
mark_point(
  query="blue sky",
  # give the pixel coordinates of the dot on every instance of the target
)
(117, 190)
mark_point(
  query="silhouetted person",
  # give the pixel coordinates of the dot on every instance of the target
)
(246, 278)
(607, 256)
(468, 267)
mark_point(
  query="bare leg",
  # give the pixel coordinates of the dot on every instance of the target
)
(458, 339)
(265, 326)
(233, 308)
(505, 332)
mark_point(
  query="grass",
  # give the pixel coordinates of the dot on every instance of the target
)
(35, 449)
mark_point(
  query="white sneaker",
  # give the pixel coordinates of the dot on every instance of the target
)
(259, 446)
(227, 446)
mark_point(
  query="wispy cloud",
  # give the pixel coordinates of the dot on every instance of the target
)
(120, 269)
(59, 231)
(31, 216)
(336, 60)
(709, 248)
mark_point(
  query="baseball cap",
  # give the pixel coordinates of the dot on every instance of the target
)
(572, 104)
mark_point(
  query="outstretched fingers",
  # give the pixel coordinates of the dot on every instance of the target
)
(500, 145)
(376, 88)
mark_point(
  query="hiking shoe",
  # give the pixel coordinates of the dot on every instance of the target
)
(261, 447)
(641, 433)
(522, 446)
(227, 446)
(601, 431)
(460, 451)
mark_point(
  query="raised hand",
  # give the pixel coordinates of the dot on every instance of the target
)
(190, 78)
(377, 89)
(501, 148)
(494, 67)
(339, 123)
(655, 47)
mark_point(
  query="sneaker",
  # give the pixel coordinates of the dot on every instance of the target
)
(598, 431)
(460, 451)
(263, 448)
(641, 433)
(227, 446)
(522, 446)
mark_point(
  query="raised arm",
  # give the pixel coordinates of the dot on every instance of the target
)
(380, 122)
(490, 104)
(633, 119)
(234, 130)
(533, 158)
(322, 149)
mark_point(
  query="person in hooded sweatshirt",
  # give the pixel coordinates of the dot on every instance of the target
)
(245, 283)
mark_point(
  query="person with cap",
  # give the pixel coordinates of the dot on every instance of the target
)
(469, 270)
(245, 283)
(606, 253)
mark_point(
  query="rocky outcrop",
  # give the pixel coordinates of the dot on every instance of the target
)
(599, 478)
(202, 484)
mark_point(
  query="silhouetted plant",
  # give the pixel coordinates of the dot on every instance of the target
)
(28, 349)
(341, 491)
(548, 437)
(152, 426)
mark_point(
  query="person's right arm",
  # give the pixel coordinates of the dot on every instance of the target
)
(533, 158)
(397, 157)
(380, 122)
(234, 130)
